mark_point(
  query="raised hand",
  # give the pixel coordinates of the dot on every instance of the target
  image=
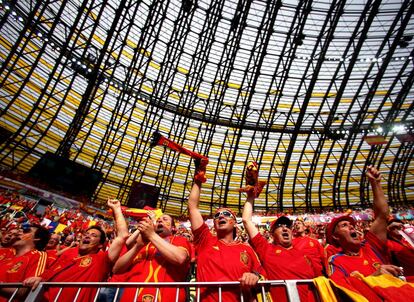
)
(373, 174)
(113, 203)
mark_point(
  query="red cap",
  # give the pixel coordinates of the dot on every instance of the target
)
(331, 227)
(281, 220)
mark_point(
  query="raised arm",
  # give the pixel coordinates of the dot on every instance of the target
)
(125, 261)
(171, 253)
(193, 200)
(381, 210)
(251, 229)
(121, 230)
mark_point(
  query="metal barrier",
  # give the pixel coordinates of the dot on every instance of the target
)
(36, 295)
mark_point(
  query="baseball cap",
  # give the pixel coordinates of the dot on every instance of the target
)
(281, 220)
(331, 226)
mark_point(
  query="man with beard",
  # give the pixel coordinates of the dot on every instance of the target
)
(91, 264)
(28, 260)
(157, 256)
(280, 259)
(220, 258)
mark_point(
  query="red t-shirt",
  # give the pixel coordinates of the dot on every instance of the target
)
(402, 255)
(149, 265)
(219, 261)
(313, 249)
(17, 269)
(284, 264)
(51, 257)
(88, 268)
(372, 254)
(7, 253)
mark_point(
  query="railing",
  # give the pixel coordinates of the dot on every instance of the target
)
(36, 295)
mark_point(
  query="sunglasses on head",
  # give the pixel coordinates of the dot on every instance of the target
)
(223, 213)
(282, 225)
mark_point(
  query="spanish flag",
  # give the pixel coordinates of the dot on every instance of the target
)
(375, 140)
(359, 288)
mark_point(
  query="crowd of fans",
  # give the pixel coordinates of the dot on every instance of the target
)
(68, 245)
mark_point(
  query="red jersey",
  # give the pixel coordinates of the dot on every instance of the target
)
(6, 253)
(219, 261)
(402, 255)
(313, 249)
(372, 254)
(285, 264)
(17, 269)
(88, 268)
(150, 266)
(51, 257)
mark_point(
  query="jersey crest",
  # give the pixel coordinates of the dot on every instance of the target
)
(85, 262)
(244, 257)
(147, 298)
(15, 267)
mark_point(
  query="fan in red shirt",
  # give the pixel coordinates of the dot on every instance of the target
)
(280, 259)
(157, 256)
(310, 246)
(51, 249)
(27, 259)
(220, 258)
(91, 264)
(402, 252)
(370, 256)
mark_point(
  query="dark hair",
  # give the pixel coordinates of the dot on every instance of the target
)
(43, 236)
(102, 239)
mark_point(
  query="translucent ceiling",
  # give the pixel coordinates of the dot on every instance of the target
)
(293, 85)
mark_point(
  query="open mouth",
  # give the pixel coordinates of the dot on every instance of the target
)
(285, 236)
(85, 241)
(222, 221)
(354, 235)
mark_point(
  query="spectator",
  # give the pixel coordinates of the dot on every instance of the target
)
(51, 249)
(220, 258)
(280, 259)
(157, 256)
(310, 246)
(91, 264)
(370, 256)
(27, 261)
(402, 252)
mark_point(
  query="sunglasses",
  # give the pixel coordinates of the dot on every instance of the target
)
(282, 225)
(223, 213)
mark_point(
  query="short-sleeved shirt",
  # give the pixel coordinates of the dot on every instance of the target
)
(17, 269)
(372, 254)
(313, 249)
(88, 268)
(149, 265)
(282, 263)
(219, 261)
(7, 253)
